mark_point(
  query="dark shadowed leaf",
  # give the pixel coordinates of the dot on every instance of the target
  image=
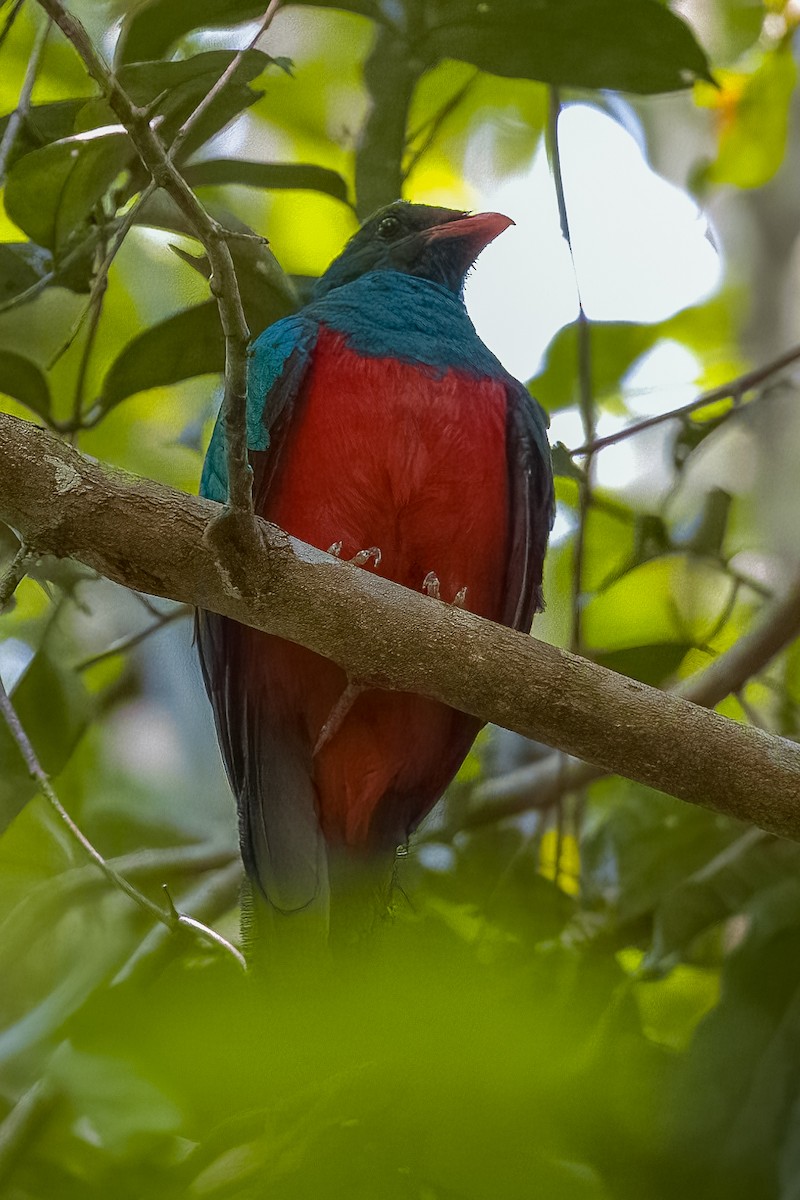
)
(52, 191)
(173, 90)
(306, 176)
(739, 1089)
(627, 45)
(43, 123)
(53, 707)
(152, 28)
(23, 379)
(22, 265)
(721, 888)
(187, 344)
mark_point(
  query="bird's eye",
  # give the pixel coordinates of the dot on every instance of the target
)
(389, 228)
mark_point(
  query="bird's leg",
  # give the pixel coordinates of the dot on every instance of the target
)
(431, 585)
(338, 713)
(361, 558)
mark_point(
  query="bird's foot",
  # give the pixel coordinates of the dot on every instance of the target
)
(361, 558)
(338, 713)
(432, 587)
(430, 584)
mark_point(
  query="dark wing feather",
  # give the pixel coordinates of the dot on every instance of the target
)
(531, 505)
(269, 770)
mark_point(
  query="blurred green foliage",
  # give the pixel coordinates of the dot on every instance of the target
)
(597, 1001)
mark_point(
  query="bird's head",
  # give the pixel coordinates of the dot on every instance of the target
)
(439, 244)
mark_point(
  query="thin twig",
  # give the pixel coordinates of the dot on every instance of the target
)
(14, 575)
(735, 389)
(224, 284)
(24, 102)
(123, 645)
(223, 81)
(100, 281)
(173, 919)
(586, 405)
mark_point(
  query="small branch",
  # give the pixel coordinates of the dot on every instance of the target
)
(171, 919)
(224, 285)
(123, 645)
(223, 80)
(24, 102)
(735, 390)
(14, 575)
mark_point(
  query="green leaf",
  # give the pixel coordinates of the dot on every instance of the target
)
(627, 45)
(738, 1092)
(267, 292)
(21, 266)
(24, 381)
(754, 120)
(616, 346)
(53, 707)
(51, 192)
(122, 1107)
(43, 123)
(304, 176)
(564, 464)
(152, 28)
(718, 890)
(187, 344)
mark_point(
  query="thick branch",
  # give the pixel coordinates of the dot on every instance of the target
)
(152, 538)
(541, 784)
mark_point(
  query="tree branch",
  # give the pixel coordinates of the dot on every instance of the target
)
(540, 784)
(24, 102)
(735, 390)
(151, 538)
(213, 237)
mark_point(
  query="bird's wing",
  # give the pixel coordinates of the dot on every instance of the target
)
(531, 503)
(269, 773)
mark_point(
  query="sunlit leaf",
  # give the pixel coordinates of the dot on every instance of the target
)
(753, 120)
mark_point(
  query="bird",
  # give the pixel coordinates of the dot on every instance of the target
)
(383, 430)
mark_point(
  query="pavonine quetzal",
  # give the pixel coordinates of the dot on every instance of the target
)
(377, 421)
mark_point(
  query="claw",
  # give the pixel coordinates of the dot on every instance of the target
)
(430, 584)
(335, 549)
(363, 557)
(460, 598)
